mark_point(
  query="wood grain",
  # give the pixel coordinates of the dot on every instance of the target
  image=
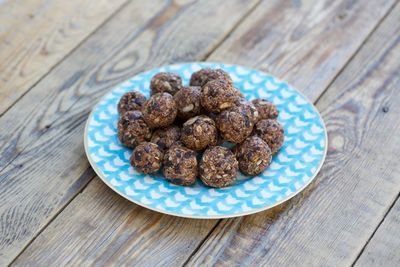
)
(329, 223)
(51, 239)
(36, 34)
(51, 167)
(383, 249)
(305, 43)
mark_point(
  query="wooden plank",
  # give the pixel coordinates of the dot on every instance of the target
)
(47, 241)
(305, 43)
(329, 224)
(36, 34)
(383, 249)
(51, 167)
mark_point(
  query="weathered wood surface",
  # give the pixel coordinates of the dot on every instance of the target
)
(50, 238)
(43, 163)
(36, 34)
(384, 247)
(329, 224)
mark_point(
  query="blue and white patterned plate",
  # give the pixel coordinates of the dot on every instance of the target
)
(291, 170)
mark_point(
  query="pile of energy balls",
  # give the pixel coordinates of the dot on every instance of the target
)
(181, 129)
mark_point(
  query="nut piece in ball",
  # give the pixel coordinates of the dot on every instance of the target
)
(217, 95)
(203, 76)
(180, 165)
(147, 158)
(132, 129)
(199, 132)
(131, 101)
(165, 82)
(266, 109)
(188, 102)
(218, 167)
(236, 124)
(165, 137)
(271, 131)
(160, 110)
(253, 155)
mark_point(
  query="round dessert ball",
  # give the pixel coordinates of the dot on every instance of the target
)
(160, 110)
(248, 108)
(147, 158)
(165, 137)
(132, 129)
(236, 124)
(131, 101)
(271, 131)
(266, 109)
(253, 155)
(199, 132)
(217, 95)
(188, 102)
(218, 167)
(165, 82)
(203, 76)
(180, 165)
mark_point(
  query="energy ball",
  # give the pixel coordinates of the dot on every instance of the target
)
(218, 167)
(180, 165)
(165, 82)
(132, 129)
(248, 108)
(253, 155)
(165, 137)
(199, 132)
(147, 158)
(236, 124)
(188, 102)
(266, 109)
(217, 95)
(203, 76)
(131, 101)
(271, 131)
(160, 110)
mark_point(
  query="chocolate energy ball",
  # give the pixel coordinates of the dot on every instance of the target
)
(147, 158)
(132, 129)
(180, 165)
(266, 109)
(271, 131)
(165, 82)
(160, 110)
(199, 132)
(217, 95)
(235, 124)
(253, 155)
(188, 102)
(131, 101)
(165, 137)
(248, 108)
(203, 76)
(218, 167)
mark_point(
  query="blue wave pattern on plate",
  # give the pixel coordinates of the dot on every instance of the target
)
(292, 168)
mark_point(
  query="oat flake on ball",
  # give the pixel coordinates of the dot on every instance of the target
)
(218, 167)
(132, 129)
(147, 158)
(160, 110)
(165, 82)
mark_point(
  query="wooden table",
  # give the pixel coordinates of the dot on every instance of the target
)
(59, 57)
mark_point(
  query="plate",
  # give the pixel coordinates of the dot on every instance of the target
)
(291, 170)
